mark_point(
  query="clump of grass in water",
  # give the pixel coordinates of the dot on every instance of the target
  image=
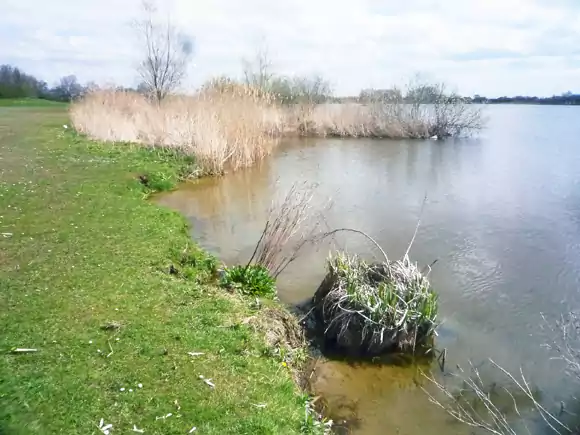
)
(374, 308)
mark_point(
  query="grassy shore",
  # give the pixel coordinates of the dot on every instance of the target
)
(29, 102)
(84, 262)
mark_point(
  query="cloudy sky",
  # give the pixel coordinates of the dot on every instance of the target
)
(491, 47)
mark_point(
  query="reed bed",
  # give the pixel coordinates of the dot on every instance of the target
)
(224, 127)
(228, 125)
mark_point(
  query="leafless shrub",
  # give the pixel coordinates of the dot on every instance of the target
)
(477, 405)
(462, 403)
(292, 225)
(566, 342)
(258, 71)
(424, 111)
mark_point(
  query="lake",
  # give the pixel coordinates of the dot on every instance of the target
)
(502, 217)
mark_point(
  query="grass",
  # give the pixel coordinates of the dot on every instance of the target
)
(251, 279)
(89, 267)
(29, 102)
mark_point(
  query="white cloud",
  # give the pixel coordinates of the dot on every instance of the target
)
(492, 47)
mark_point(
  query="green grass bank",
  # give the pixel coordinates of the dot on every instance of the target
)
(84, 261)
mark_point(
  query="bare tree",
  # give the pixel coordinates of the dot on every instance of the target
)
(258, 71)
(167, 53)
(68, 88)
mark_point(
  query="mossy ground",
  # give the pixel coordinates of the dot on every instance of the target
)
(81, 248)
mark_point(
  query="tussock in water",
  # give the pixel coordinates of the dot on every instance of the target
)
(375, 308)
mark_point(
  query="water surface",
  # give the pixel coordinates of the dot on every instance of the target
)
(502, 217)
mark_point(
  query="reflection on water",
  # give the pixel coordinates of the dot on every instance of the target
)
(502, 216)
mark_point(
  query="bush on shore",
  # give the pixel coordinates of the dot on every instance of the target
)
(387, 120)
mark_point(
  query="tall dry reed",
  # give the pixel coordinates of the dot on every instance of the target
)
(230, 125)
(223, 126)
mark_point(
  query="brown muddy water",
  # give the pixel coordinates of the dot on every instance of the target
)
(502, 217)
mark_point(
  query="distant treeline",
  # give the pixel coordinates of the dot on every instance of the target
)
(14, 83)
(567, 98)
(429, 94)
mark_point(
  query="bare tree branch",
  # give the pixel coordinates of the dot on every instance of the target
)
(258, 71)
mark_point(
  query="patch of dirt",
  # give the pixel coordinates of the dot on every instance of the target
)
(281, 330)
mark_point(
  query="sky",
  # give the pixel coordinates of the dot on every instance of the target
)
(489, 47)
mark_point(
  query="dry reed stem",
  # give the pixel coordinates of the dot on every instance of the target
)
(291, 226)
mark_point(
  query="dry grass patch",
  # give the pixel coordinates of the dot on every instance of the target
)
(223, 126)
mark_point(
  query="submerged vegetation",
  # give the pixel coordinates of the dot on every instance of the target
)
(375, 308)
